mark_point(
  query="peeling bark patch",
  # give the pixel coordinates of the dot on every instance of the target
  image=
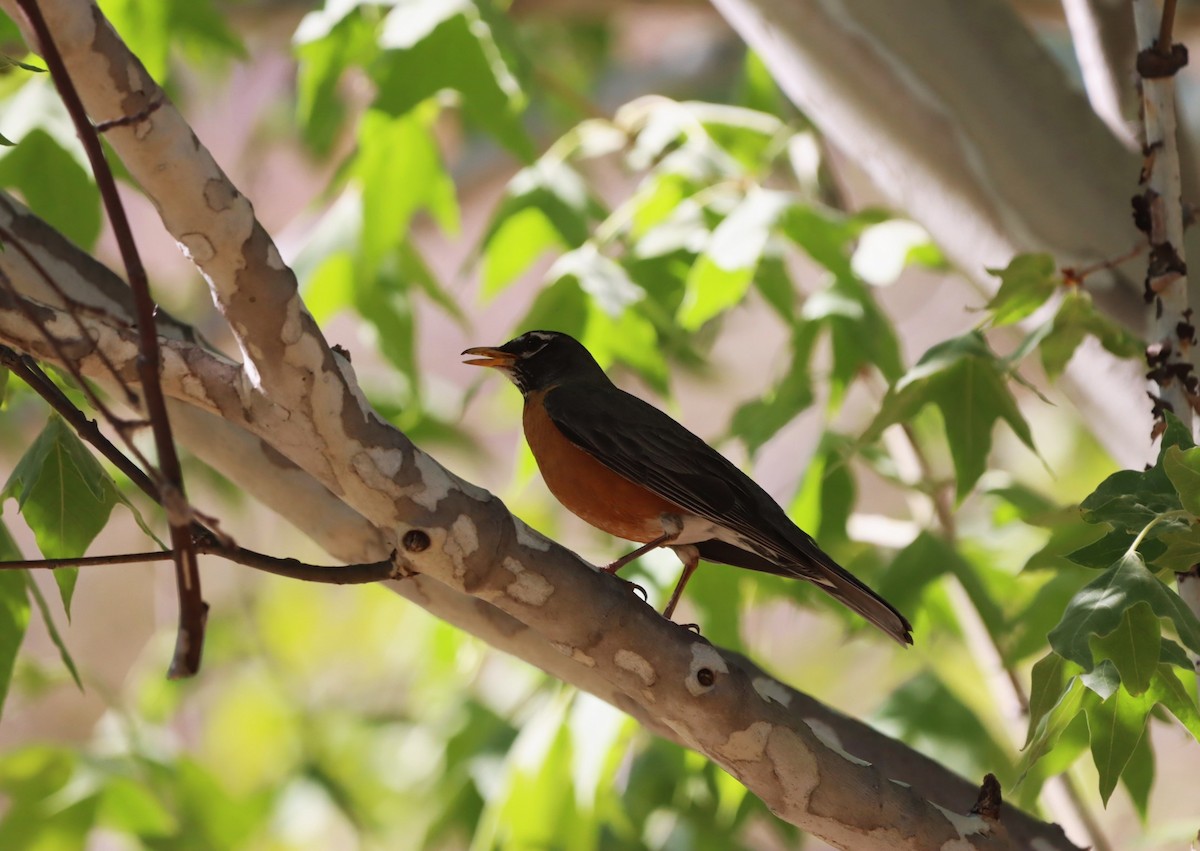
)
(436, 482)
(704, 658)
(196, 247)
(219, 195)
(574, 653)
(772, 691)
(529, 588)
(273, 258)
(530, 538)
(637, 665)
(785, 747)
(747, 745)
(965, 825)
(829, 738)
(386, 461)
(292, 329)
(461, 541)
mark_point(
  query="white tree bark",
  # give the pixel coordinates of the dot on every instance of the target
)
(290, 419)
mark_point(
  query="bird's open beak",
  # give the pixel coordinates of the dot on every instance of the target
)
(488, 356)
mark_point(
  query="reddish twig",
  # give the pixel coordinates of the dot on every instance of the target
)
(192, 608)
(350, 574)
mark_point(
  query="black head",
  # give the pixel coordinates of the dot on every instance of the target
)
(539, 359)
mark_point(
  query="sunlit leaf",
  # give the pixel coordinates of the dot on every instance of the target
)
(418, 36)
(723, 272)
(400, 171)
(54, 185)
(1025, 285)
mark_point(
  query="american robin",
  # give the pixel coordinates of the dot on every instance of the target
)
(629, 469)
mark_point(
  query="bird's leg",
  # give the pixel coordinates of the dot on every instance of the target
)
(672, 526)
(691, 558)
(661, 540)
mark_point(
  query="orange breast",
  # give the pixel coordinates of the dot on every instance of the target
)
(587, 488)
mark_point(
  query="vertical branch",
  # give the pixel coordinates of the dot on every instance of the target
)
(1158, 211)
(192, 608)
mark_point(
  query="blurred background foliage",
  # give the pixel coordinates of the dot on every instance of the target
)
(631, 176)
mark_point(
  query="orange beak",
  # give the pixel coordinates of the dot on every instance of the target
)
(489, 356)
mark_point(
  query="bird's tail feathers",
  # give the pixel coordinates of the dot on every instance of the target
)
(843, 586)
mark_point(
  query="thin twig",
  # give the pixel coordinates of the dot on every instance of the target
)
(349, 574)
(1166, 27)
(193, 611)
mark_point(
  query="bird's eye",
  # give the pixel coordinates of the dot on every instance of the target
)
(532, 343)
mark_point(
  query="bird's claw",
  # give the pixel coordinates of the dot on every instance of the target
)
(637, 589)
(691, 627)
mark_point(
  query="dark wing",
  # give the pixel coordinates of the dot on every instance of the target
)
(641, 443)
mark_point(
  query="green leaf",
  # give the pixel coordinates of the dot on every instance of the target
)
(860, 333)
(825, 498)
(1100, 606)
(417, 38)
(132, 808)
(914, 567)
(1115, 726)
(967, 383)
(1051, 675)
(325, 49)
(54, 185)
(929, 716)
(602, 278)
(562, 306)
(64, 495)
(1131, 499)
(1183, 469)
(1133, 647)
(14, 611)
(1138, 776)
(546, 206)
(1077, 318)
(1101, 554)
(520, 239)
(1170, 692)
(400, 171)
(1051, 714)
(723, 273)
(52, 628)
(1025, 285)
(758, 420)
(1175, 550)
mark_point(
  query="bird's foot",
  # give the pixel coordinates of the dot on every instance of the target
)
(636, 589)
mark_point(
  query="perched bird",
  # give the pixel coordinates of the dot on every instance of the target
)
(629, 469)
